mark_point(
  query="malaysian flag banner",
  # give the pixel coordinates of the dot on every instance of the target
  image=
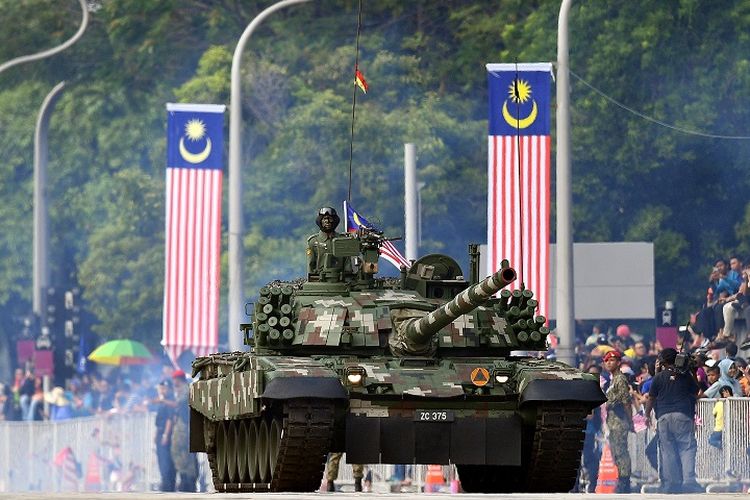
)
(193, 228)
(519, 173)
(388, 251)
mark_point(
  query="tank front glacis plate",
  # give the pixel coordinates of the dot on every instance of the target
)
(506, 383)
(428, 377)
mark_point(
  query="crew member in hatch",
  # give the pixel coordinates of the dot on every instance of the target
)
(320, 243)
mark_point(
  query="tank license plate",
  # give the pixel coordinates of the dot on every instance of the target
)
(433, 416)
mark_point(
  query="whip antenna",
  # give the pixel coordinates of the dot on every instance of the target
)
(354, 96)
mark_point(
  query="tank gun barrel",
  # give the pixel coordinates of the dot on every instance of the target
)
(421, 330)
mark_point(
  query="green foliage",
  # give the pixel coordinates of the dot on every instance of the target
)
(681, 61)
(125, 261)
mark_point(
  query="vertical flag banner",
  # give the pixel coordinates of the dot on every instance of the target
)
(388, 251)
(519, 173)
(195, 145)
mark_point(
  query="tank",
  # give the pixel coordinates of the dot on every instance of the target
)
(425, 368)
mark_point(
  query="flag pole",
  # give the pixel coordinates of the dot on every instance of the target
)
(354, 96)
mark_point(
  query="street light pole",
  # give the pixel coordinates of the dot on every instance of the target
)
(41, 227)
(410, 201)
(54, 50)
(564, 264)
(41, 271)
(236, 295)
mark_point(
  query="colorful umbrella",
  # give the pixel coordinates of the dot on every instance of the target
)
(121, 352)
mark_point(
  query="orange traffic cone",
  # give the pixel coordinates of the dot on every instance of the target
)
(92, 480)
(607, 472)
(434, 479)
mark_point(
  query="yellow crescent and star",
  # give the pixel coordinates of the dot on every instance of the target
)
(355, 216)
(519, 92)
(195, 130)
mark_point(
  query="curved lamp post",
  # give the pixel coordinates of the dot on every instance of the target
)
(41, 230)
(236, 296)
(41, 236)
(54, 50)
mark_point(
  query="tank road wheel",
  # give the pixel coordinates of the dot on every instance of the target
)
(274, 443)
(242, 441)
(284, 449)
(231, 449)
(251, 452)
(262, 452)
(221, 454)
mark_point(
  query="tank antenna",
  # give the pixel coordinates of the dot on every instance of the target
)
(354, 97)
(517, 97)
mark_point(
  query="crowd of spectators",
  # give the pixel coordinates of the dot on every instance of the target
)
(155, 388)
(128, 389)
(726, 301)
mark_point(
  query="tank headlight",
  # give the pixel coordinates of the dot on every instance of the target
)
(501, 379)
(355, 375)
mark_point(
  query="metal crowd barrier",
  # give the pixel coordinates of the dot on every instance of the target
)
(641, 470)
(116, 452)
(729, 465)
(104, 453)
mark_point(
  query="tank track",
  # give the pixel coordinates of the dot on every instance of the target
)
(557, 446)
(551, 456)
(305, 442)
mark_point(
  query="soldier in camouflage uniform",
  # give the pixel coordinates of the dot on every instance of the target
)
(332, 472)
(185, 463)
(619, 418)
(319, 244)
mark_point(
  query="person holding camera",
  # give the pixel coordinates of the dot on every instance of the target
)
(673, 395)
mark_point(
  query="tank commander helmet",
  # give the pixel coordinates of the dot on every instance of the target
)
(327, 212)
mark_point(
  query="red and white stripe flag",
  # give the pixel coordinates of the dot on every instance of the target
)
(519, 174)
(354, 221)
(193, 229)
(390, 253)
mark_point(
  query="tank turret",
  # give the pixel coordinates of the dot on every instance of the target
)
(415, 329)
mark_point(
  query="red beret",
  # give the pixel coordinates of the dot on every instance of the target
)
(178, 374)
(612, 354)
